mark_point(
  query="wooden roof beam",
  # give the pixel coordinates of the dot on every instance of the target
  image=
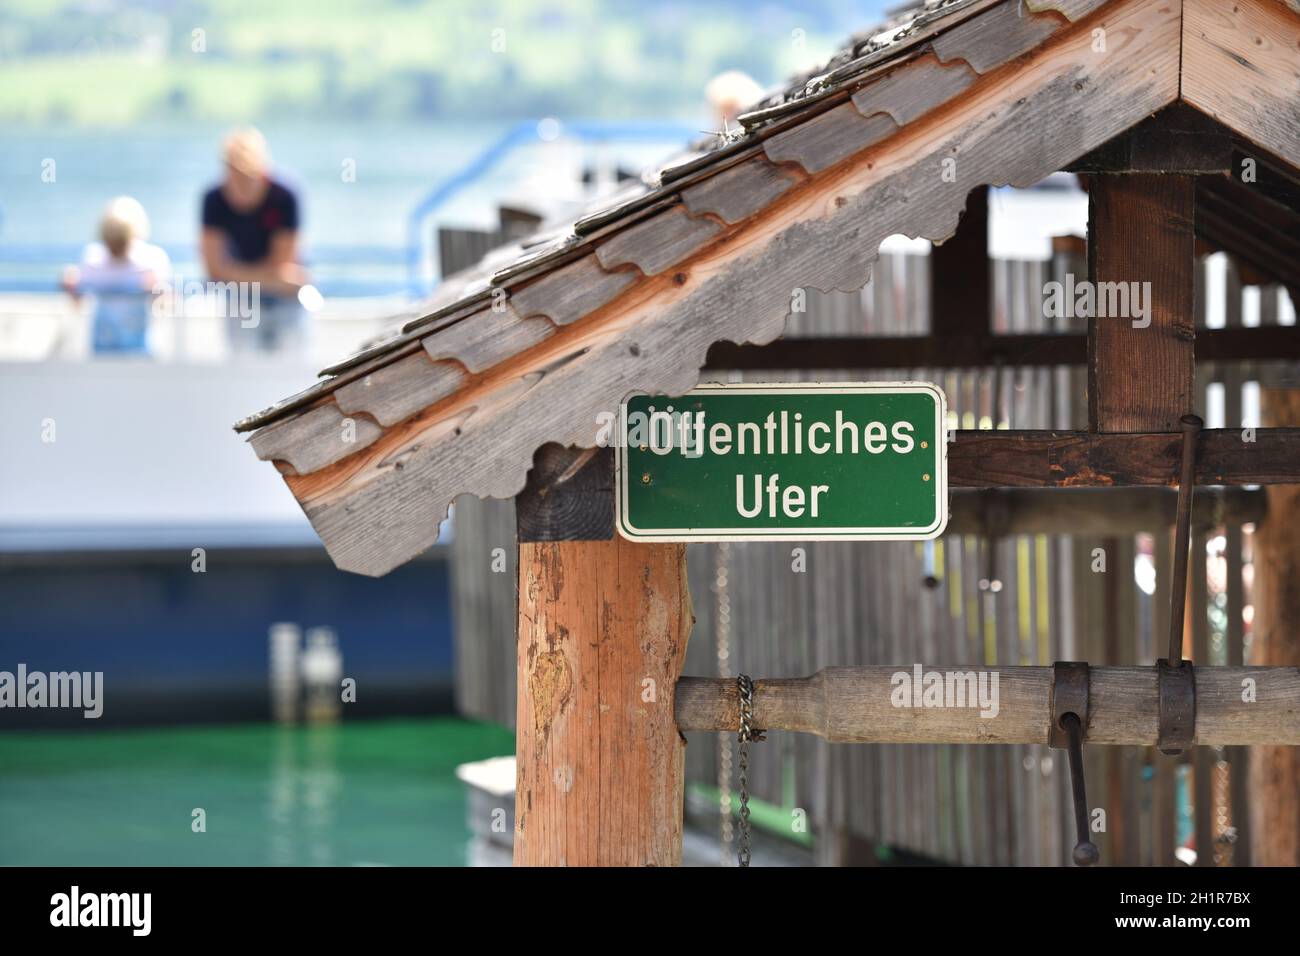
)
(1253, 242)
(1238, 66)
(1178, 139)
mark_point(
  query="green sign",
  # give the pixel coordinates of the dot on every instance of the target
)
(774, 462)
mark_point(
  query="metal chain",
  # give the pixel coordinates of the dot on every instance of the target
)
(722, 632)
(745, 686)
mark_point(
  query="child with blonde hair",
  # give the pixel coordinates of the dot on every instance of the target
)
(122, 273)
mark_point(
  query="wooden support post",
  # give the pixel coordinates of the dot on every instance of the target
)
(1275, 770)
(603, 626)
(1140, 231)
(960, 285)
(1141, 366)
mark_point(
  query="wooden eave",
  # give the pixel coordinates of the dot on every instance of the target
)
(538, 344)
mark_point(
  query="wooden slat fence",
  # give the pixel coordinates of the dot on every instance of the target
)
(779, 610)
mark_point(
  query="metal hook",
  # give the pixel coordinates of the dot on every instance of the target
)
(1085, 851)
(1070, 693)
(1175, 677)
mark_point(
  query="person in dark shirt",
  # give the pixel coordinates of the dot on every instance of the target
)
(250, 237)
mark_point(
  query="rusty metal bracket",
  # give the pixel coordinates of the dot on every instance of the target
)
(1071, 681)
(1176, 685)
(1070, 684)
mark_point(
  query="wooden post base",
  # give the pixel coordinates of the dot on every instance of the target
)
(603, 627)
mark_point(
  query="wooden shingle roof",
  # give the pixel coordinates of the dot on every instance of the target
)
(546, 335)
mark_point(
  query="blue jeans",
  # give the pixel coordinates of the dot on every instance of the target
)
(120, 323)
(277, 325)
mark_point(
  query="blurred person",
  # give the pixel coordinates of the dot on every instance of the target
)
(122, 273)
(250, 237)
(730, 94)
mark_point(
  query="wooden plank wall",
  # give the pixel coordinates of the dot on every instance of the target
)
(483, 607)
(1020, 599)
(482, 585)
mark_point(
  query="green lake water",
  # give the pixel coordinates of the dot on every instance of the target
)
(380, 793)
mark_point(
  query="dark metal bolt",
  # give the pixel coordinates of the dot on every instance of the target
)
(1085, 851)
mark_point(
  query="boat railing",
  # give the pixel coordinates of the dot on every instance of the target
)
(363, 286)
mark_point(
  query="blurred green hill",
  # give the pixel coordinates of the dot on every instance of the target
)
(107, 63)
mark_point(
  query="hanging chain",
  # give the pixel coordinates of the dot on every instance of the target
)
(747, 733)
(722, 633)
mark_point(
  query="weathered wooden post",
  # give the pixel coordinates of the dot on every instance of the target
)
(1140, 361)
(1275, 771)
(603, 625)
(1140, 367)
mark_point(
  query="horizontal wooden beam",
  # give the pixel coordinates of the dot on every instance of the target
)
(1178, 139)
(1095, 511)
(1047, 459)
(1270, 343)
(857, 705)
(569, 495)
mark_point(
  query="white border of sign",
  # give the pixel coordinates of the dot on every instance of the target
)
(626, 529)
